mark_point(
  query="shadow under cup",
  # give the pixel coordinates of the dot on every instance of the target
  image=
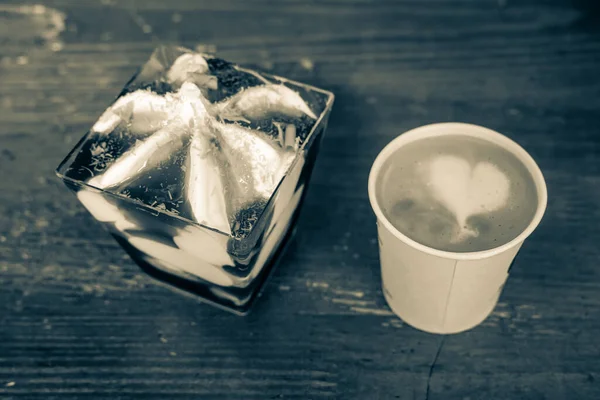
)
(441, 291)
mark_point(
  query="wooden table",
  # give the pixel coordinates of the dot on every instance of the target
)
(78, 320)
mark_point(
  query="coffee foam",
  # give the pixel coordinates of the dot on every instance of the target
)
(466, 189)
(457, 193)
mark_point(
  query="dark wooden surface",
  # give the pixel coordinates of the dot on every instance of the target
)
(78, 320)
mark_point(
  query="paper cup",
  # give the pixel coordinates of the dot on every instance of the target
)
(439, 291)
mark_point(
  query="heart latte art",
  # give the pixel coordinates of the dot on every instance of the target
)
(457, 193)
(466, 190)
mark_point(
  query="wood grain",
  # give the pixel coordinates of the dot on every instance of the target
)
(78, 320)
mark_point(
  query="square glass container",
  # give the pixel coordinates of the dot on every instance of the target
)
(147, 212)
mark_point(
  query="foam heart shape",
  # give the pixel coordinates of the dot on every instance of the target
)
(466, 190)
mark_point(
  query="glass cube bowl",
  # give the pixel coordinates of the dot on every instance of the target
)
(225, 270)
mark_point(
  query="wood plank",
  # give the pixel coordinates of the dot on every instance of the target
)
(79, 320)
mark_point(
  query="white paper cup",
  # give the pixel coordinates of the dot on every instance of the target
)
(439, 291)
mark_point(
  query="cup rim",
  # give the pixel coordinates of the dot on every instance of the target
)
(465, 129)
